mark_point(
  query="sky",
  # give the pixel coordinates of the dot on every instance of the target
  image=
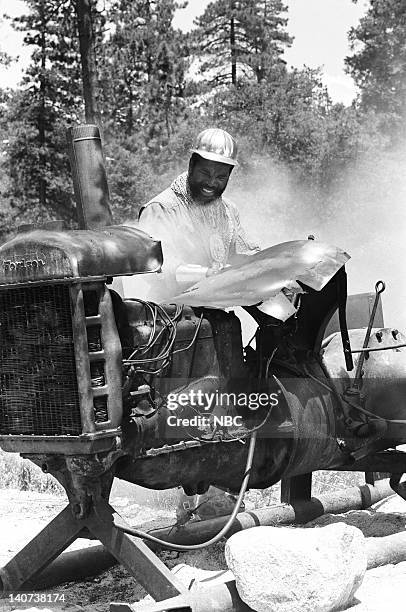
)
(319, 28)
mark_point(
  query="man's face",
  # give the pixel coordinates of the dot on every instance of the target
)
(207, 179)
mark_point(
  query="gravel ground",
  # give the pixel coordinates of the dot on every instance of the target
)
(23, 514)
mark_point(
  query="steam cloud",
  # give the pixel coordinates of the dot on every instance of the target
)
(365, 215)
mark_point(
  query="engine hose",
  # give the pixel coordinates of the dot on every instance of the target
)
(222, 532)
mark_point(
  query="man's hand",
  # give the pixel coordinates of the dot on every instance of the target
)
(190, 273)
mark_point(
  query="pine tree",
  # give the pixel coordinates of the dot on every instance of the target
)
(378, 64)
(144, 69)
(247, 37)
(264, 38)
(48, 100)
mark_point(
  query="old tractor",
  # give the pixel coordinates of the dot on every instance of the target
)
(94, 385)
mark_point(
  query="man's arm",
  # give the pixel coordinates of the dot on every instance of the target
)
(157, 221)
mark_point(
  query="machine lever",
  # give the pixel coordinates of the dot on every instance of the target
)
(357, 382)
(362, 428)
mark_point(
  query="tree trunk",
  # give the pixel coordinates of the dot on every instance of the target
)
(88, 59)
(41, 115)
(130, 110)
(233, 52)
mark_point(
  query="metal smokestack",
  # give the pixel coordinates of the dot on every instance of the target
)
(89, 177)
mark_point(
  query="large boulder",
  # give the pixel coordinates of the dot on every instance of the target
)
(283, 569)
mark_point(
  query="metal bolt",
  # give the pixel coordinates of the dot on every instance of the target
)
(76, 509)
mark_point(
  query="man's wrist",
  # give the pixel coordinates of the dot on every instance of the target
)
(190, 273)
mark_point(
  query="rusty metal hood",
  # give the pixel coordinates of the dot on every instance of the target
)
(266, 277)
(112, 251)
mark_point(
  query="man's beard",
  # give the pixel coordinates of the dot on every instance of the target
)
(195, 190)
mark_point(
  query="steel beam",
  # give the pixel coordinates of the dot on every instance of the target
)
(40, 551)
(131, 552)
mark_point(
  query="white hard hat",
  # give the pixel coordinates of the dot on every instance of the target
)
(216, 145)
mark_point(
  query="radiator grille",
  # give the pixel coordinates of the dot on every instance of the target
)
(38, 388)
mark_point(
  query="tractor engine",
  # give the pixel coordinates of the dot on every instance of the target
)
(86, 375)
(93, 384)
(97, 384)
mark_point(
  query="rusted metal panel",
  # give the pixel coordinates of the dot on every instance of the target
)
(312, 411)
(85, 444)
(49, 255)
(110, 362)
(264, 277)
(82, 360)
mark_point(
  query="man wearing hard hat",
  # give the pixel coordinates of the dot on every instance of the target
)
(200, 230)
(201, 233)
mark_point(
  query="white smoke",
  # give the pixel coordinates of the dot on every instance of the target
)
(366, 216)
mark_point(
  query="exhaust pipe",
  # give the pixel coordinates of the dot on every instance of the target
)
(89, 177)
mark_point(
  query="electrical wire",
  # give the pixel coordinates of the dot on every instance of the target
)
(185, 547)
(165, 352)
(153, 329)
(268, 362)
(186, 348)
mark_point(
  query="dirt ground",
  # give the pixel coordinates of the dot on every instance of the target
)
(23, 514)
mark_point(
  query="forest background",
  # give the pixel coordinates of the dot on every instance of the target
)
(307, 165)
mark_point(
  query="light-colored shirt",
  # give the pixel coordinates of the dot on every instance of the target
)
(192, 233)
